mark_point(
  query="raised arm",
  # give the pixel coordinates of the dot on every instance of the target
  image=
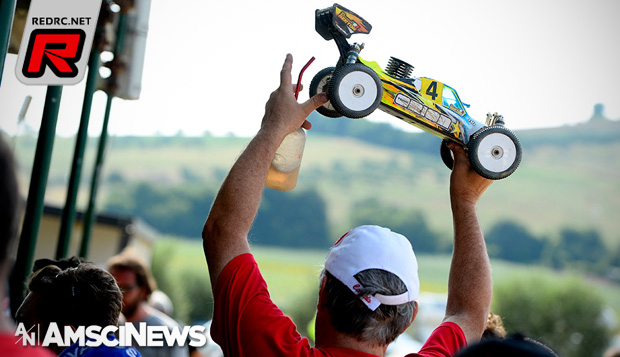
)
(469, 287)
(236, 204)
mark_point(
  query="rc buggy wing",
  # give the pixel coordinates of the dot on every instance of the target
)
(338, 18)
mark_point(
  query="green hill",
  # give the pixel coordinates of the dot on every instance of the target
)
(568, 177)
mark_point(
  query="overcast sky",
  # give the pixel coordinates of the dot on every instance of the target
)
(210, 66)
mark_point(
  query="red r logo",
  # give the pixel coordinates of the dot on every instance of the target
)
(59, 49)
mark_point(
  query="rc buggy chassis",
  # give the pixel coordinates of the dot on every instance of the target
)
(357, 87)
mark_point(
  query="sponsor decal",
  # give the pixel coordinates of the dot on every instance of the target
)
(422, 110)
(352, 22)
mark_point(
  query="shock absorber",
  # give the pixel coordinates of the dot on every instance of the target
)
(495, 119)
(354, 53)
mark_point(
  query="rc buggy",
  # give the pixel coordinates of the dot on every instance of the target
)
(357, 87)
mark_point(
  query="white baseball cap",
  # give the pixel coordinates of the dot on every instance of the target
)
(374, 247)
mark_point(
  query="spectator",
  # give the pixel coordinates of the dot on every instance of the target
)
(137, 284)
(513, 346)
(73, 293)
(161, 302)
(369, 285)
(495, 328)
(9, 217)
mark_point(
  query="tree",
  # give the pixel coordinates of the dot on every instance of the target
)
(583, 250)
(178, 210)
(511, 241)
(561, 311)
(291, 219)
(188, 288)
(284, 219)
(584, 246)
(410, 223)
(613, 271)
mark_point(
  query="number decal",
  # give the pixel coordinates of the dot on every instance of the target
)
(432, 90)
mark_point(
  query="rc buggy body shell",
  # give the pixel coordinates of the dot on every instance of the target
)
(356, 87)
(427, 104)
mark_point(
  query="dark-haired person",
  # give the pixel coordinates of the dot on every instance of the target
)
(137, 283)
(370, 283)
(72, 293)
(9, 216)
(511, 346)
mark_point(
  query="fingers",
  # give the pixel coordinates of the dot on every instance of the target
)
(316, 101)
(465, 183)
(458, 152)
(285, 74)
(283, 109)
(307, 125)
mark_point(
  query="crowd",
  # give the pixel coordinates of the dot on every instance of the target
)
(368, 288)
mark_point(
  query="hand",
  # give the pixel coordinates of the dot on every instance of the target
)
(465, 183)
(283, 114)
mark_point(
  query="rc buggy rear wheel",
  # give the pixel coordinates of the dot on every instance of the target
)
(355, 90)
(446, 154)
(320, 83)
(494, 152)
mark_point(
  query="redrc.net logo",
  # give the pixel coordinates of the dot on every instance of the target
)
(57, 40)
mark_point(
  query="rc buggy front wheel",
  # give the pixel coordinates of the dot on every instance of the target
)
(320, 83)
(355, 90)
(494, 152)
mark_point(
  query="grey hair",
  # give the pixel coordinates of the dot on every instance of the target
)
(351, 316)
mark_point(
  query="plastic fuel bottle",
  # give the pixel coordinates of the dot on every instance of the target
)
(284, 168)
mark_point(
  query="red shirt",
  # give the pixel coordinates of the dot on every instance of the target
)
(247, 323)
(11, 346)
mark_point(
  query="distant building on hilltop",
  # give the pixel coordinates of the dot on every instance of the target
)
(598, 115)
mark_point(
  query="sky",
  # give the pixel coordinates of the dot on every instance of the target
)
(211, 66)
